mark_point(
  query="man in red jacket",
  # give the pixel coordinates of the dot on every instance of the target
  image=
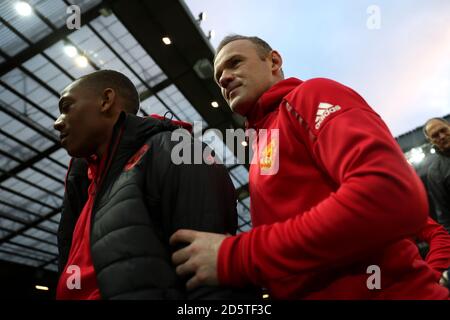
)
(334, 203)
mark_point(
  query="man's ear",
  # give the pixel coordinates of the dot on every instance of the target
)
(277, 61)
(108, 99)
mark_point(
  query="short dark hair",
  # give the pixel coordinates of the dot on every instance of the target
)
(121, 84)
(262, 47)
(424, 128)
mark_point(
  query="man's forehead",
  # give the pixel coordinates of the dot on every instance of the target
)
(437, 122)
(70, 88)
(435, 125)
(233, 48)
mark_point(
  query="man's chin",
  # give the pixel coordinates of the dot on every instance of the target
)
(76, 153)
(73, 154)
(236, 110)
(446, 149)
(240, 108)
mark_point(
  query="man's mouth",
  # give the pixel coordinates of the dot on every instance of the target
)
(230, 91)
(63, 136)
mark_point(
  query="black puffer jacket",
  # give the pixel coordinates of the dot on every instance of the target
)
(137, 208)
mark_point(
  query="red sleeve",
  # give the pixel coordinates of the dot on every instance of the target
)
(438, 239)
(379, 200)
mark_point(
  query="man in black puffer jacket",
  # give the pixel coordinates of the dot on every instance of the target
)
(124, 197)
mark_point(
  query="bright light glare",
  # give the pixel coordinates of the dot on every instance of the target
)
(23, 8)
(81, 61)
(70, 50)
(214, 104)
(43, 288)
(416, 156)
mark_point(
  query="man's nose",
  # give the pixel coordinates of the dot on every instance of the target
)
(59, 123)
(225, 79)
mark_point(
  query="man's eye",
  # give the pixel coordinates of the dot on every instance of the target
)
(65, 107)
(234, 63)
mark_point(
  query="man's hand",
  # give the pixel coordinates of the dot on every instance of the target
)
(444, 279)
(199, 257)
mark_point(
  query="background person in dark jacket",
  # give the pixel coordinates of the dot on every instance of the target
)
(124, 197)
(437, 131)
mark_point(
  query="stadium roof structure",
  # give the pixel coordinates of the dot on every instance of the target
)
(40, 55)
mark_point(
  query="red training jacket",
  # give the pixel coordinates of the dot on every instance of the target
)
(332, 198)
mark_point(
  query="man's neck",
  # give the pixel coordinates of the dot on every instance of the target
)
(443, 152)
(103, 148)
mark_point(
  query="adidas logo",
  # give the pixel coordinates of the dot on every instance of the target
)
(323, 111)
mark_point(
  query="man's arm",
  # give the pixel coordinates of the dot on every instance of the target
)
(438, 239)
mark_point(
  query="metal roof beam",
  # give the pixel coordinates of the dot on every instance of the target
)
(30, 237)
(34, 185)
(28, 164)
(31, 225)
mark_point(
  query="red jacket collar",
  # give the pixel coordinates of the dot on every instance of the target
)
(96, 166)
(270, 100)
